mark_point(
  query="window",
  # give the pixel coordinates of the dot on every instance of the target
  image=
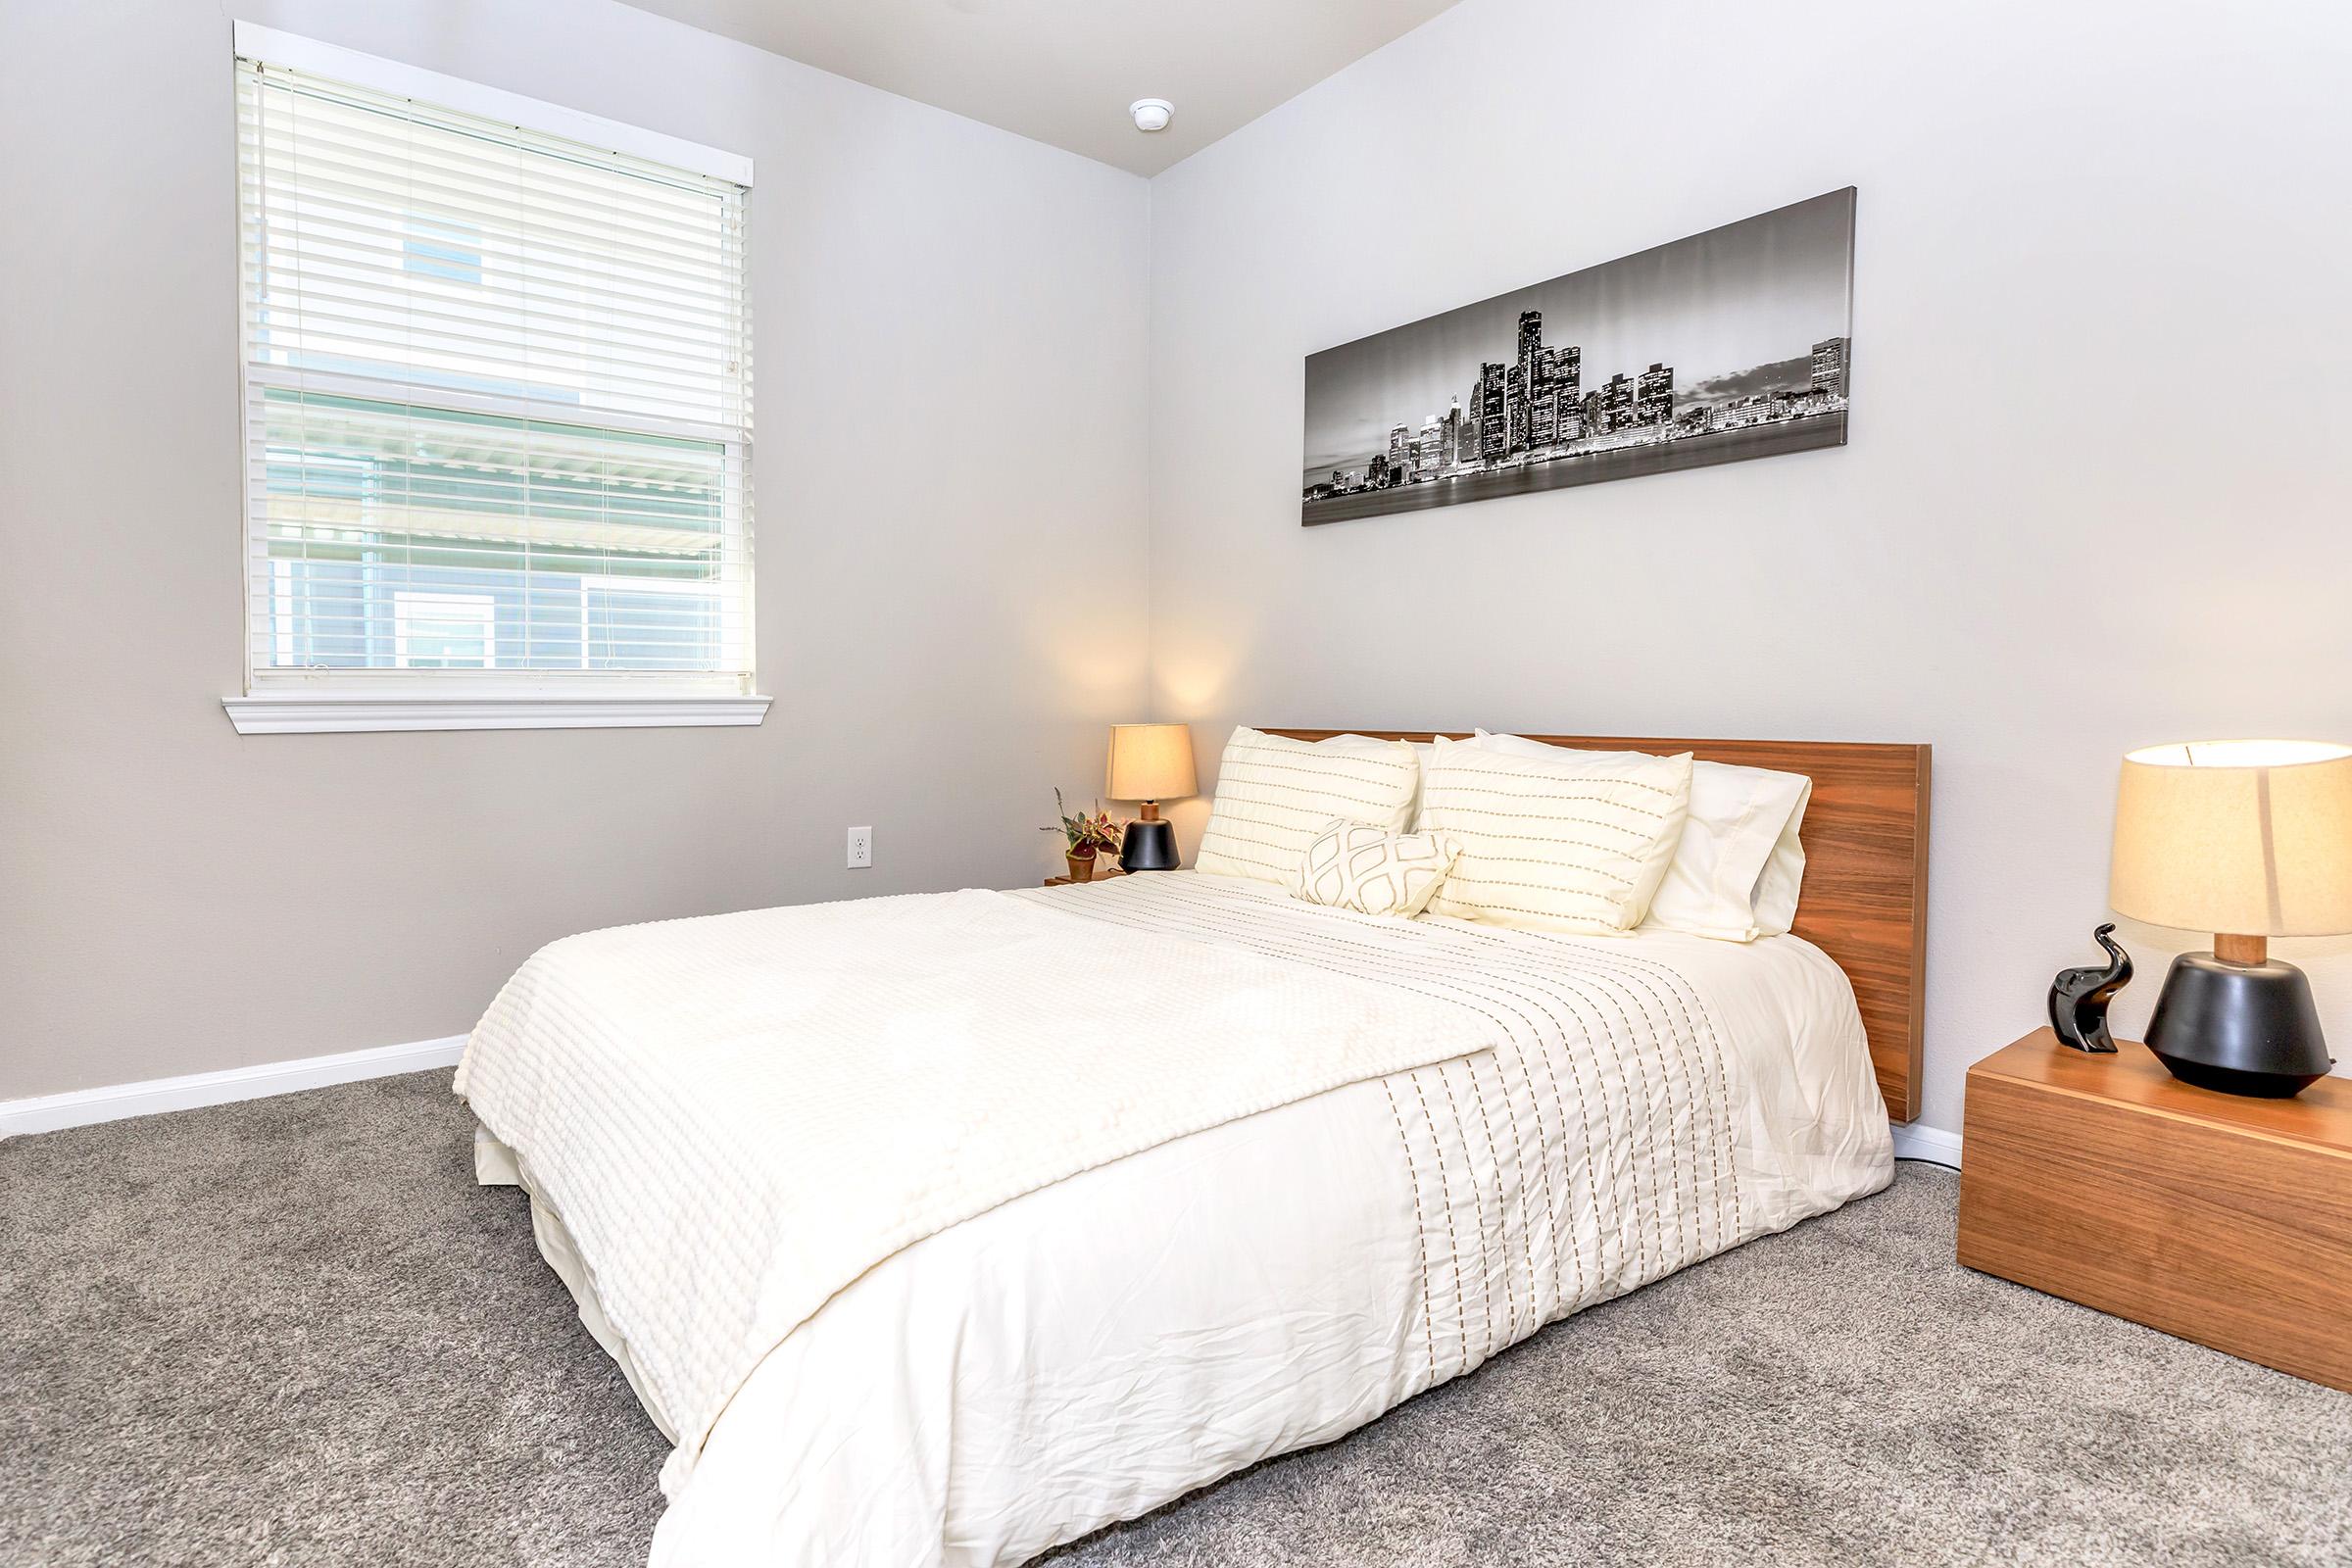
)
(444, 631)
(497, 406)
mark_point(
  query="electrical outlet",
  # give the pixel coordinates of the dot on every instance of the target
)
(862, 847)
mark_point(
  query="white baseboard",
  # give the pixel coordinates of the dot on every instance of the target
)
(81, 1106)
(1928, 1143)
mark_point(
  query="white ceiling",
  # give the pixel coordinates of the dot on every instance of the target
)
(1064, 71)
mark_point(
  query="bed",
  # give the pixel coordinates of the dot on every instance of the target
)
(926, 1245)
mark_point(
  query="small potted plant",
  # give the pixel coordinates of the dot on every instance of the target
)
(1087, 838)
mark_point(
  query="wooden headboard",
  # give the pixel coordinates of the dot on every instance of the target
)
(1865, 898)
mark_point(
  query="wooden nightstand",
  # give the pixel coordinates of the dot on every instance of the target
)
(2221, 1219)
(1101, 874)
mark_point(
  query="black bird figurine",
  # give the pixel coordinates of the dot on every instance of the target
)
(2079, 998)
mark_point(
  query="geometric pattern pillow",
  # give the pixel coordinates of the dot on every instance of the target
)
(1350, 866)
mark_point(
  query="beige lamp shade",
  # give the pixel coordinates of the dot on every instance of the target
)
(2252, 838)
(1150, 763)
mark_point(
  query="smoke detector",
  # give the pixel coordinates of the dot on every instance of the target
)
(1151, 113)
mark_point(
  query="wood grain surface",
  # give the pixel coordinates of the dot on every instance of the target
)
(2221, 1219)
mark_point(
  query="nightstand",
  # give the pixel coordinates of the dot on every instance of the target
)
(1101, 874)
(2217, 1218)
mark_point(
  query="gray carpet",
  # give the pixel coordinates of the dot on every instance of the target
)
(294, 1331)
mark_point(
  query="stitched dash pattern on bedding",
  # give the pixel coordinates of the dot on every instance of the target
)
(1589, 1154)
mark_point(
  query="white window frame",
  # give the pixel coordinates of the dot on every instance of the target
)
(307, 701)
(599, 582)
(445, 605)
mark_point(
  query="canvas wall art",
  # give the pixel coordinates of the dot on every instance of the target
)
(1735, 343)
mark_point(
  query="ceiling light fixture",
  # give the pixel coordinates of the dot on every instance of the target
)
(1151, 113)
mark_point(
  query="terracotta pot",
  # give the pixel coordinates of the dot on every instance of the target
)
(1082, 867)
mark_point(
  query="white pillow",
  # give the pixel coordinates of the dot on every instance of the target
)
(1423, 752)
(1349, 867)
(1275, 794)
(1777, 890)
(1739, 865)
(1571, 842)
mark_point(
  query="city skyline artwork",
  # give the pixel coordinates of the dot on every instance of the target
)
(1731, 344)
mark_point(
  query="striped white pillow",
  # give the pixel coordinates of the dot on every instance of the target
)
(1275, 794)
(1580, 844)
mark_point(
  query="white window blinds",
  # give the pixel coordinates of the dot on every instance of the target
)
(497, 403)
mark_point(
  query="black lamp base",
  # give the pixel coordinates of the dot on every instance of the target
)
(2241, 1028)
(1147, 846)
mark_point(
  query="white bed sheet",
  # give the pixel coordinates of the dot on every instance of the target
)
(1091, 1351)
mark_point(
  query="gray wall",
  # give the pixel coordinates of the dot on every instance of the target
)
(2096, 492)
(176, 899)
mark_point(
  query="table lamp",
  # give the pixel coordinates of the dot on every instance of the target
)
(1151, 763)
(2249, 840)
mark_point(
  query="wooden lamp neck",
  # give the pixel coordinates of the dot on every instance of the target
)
(2247, 950)
(1150, 811)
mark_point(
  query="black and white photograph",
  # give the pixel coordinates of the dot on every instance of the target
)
(1726, 345)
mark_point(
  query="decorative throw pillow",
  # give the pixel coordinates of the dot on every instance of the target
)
(1578, 843)
(1349, 867)
(1275, 794)
(1737, 871)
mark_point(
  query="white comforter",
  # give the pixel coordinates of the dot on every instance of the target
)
(1228, 1174)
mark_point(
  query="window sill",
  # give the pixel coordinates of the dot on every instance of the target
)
(292, 712)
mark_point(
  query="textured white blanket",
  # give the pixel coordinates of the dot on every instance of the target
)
(738, 1117)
